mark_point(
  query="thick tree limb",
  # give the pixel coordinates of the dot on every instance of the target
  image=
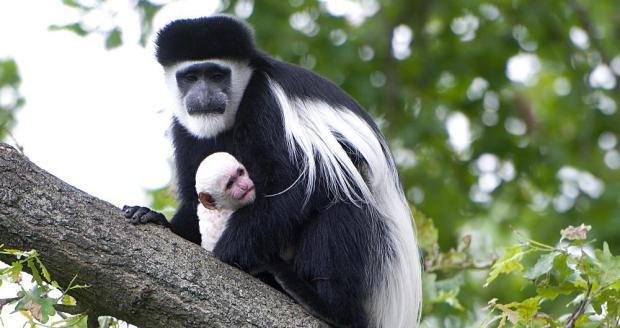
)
(145, 275)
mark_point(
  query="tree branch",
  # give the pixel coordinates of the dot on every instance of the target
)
(144, 275)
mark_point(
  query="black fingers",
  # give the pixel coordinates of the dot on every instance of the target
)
(155, 217)
(143, 215)
(128, 211)
(140, 215)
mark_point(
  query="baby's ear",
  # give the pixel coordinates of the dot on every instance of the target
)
(206, 200)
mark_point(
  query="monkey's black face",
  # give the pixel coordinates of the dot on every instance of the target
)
(205, 88)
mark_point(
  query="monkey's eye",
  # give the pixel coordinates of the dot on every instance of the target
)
(240, 172)
(217, 76)
(229, 184)
(190, 78)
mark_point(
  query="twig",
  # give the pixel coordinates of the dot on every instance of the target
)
(533, 243)
(19, 147)
(524, 108)
(580, 308)
(70, 309)
(93, 318)
(5, 301)
(92, 321)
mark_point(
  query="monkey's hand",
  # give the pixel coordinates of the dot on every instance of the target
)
(144, 215)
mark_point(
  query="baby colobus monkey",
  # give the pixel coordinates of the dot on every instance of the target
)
(223, 186)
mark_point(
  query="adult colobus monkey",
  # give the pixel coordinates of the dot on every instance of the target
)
(326, 183)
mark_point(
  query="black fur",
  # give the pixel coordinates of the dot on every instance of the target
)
(338, 245)
(202, 38)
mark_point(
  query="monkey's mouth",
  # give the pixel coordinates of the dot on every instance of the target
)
(249, 192)
(204, 111)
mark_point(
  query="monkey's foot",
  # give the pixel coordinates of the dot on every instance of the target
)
(144, 215)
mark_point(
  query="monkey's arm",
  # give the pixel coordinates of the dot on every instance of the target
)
(256, 234)
(185, 223)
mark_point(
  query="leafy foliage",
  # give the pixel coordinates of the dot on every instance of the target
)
(38, 303)
(113, 35)
(572, 276)
(588, 276)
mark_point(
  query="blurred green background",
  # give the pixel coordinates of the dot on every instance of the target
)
(502, 114)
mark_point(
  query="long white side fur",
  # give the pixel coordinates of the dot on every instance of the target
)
(207, 126)
(211, 224)
(313, 129)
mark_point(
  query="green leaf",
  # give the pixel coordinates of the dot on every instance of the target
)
(528, 308)
(551, 292)
(9, 75)
(16, 270)
(47, 308)
(510, 262)
(449, 297)
(584, 322)
(75, 28)
(35, 273)
(72, 3)
(427, 232)
(544, 265)
(16, 252)
(68, 300)
(451, 283)
(114, 39)
(610, 298)
(609, 265)
(561, 268)
(429, 289)
(44, 271)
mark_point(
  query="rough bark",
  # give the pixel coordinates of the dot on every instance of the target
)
(144, 275)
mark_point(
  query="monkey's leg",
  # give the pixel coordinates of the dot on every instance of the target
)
(334, 255)
(301, 291)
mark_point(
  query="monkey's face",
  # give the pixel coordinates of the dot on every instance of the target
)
(223, 183)
(205, 88)
(207, 93)
(238, 188)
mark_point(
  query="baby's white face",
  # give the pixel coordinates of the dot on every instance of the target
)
(223, 183)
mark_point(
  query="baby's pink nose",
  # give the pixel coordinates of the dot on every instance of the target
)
(246, 185)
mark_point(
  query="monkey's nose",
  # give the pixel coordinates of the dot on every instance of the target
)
(247, 186)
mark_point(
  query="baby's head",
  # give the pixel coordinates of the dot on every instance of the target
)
(223, 183)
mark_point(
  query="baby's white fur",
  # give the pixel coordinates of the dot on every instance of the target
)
(212, 222)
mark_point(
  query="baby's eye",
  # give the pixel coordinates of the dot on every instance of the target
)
(229, 184)
(240, 171)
